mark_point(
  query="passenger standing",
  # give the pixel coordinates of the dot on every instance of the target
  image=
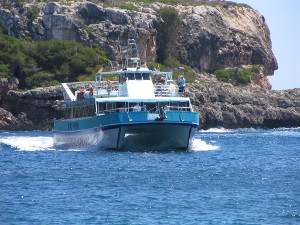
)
(109, 87)
(181, 86)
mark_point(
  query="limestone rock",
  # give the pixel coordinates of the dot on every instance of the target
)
(210, 38)
(223, 105)
(33, 109)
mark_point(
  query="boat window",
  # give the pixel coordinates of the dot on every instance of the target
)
(100, 107)
(130, 76)
(163, 105)
(174, 106)
(75, 111)
(122, 78)
(135, 106)
(184, 106)
(121, 107)
(150, 107)
(110, 107)
(146, 76)
(138, 76)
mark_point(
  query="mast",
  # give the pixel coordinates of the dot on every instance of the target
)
(132, 55)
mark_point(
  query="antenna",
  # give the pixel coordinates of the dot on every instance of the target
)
(132, 55)
(120, 52)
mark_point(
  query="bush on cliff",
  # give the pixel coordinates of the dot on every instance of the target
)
(130, 7)
(172, 64)
(213, 3)
(223, 75)
(45, 63)
(4, 70)
(66, 59)
(235, 75)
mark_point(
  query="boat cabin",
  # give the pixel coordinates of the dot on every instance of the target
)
(107, 106)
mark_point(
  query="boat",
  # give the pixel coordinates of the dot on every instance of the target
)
(140, 106)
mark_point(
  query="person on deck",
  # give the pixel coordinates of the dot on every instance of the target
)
(137, 107)
(181, 85)
(109, 87)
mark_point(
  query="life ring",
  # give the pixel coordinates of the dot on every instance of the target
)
(91, 92)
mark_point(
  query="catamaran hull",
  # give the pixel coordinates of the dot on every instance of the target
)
(168, 135)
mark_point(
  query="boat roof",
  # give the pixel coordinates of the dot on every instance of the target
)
(135, 70)
(156, 99)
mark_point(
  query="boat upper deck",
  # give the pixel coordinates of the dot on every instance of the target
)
(132, 81)
(136, 83)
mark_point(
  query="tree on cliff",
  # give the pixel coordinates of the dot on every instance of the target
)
(168, 32)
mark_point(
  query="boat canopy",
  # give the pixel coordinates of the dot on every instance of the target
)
(156, 99)
(132, 74)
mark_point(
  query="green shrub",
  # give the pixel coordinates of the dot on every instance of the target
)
(130, 7)
(172, 62)
(155, 66)
(190, 76)
(33, 13)
(244, 76)
(19, 4)
(86, 78)
(67, 60)
(54, 61)
(255, 68)
(41, 78)
(223, 75)
(241, 76)
(4, 70)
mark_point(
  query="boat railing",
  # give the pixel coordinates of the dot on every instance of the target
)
(152, 110)
(152, 113)
(122, 109)
(165, 90)
(178, 108)
(112, 89)
(155, 110)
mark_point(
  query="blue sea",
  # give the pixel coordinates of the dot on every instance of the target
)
(240, 176)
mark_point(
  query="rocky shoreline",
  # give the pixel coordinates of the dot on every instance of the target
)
(218, 103)
(228, 106)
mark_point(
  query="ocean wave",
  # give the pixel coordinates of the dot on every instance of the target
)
(27, 143)
(216, 130)
(199, 145)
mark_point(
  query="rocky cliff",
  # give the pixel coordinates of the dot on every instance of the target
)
(207, 38)
(225, 105)
(29, 110)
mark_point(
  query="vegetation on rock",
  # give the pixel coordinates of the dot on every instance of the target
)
(46, 63)
(124, 3)
(168, 31)
(213, 3)
(236, 75)
(176, 67)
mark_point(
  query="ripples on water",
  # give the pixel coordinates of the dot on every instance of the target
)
(242, 176)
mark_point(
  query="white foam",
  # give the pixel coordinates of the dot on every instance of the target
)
(199, 145)
(25, 143)
(216, 130)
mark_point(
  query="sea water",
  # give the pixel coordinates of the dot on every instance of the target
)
(242, 176)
